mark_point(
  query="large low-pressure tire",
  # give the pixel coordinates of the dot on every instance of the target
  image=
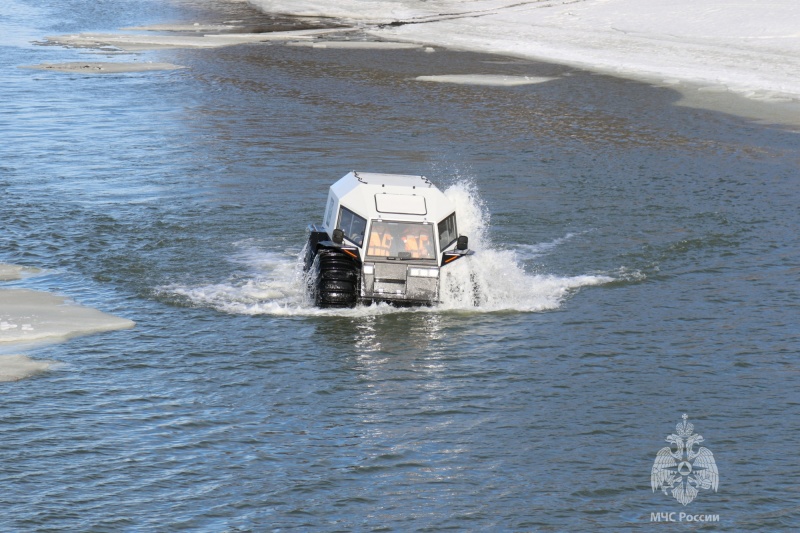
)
(339, 273)
(336, 281)
(333, 285)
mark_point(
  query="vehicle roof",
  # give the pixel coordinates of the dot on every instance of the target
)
(393, 180)
(392, 197)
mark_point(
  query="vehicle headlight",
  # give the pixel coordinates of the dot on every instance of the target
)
(369, 269)
(423, 272)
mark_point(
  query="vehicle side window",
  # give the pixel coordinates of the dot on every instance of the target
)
(329, 214)
(352, 225)
(447, 231)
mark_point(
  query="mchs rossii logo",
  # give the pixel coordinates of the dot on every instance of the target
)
(685, 468)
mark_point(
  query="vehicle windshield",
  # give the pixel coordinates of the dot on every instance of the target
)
(404, 240)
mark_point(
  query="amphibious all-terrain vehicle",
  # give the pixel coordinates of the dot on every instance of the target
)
(384, 238)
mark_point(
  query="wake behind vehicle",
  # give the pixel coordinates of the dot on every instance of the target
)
(384, 238)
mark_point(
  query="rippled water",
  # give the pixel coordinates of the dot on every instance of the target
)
(637, 261)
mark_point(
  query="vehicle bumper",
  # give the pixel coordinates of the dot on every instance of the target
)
(400, 283)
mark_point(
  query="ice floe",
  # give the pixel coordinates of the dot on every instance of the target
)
(17, 367)
(358, 45)
(485, 79)
(104, 67)
(27, 315)
(194, 27)
(13, 272)
(132, 42)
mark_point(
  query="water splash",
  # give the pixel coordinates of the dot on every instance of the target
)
(492, 279)
(273, 285)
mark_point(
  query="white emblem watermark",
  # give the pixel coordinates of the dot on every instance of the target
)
(683, 471)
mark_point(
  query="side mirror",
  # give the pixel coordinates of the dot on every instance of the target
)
(462, 243)
(338, 236)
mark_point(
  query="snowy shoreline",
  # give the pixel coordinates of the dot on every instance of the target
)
(714, 46)
(737, 58)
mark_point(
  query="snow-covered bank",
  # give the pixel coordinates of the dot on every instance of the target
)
(748, 48)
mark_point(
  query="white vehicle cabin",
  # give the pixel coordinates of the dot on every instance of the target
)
(392, 216)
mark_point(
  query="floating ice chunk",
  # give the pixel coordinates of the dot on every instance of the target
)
(358, 45)
(16, 367)
(122, 42)
(11, 272)
(134, 42)
(485, 79)
(195, 27)
(105, 67)
(27, 315)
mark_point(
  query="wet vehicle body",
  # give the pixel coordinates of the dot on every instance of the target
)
(383, 238)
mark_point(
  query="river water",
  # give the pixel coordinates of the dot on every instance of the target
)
(636, 261)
